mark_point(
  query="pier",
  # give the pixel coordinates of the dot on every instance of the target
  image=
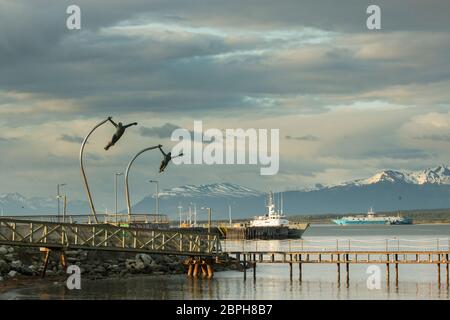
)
(388, 253)
(64, 236)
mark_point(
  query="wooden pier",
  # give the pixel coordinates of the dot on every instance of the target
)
(250, 259)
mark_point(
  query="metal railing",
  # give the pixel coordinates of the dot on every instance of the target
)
(102, 218)
(340, 244)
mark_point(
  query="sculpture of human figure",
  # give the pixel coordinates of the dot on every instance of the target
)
(167, 157)
(120, 129)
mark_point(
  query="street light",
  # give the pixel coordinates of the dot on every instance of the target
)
(116, 175)
(58, 186)
(64, 207)
(157, 194)
(209, 218)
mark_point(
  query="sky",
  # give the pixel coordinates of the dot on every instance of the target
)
(348, 101)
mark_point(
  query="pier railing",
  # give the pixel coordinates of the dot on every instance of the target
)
(387, 244)
(102, 218)
(32, 233)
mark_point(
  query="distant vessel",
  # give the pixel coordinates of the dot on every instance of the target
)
(372, 218)
(272, 218)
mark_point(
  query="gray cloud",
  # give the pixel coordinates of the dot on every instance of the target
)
(71, 138)
(398, 153)
(164, 131)
(307, 137)
(434, 137)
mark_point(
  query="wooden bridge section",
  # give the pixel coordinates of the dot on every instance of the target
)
(107, 237)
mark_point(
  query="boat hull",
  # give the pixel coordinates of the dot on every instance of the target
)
(374, 222)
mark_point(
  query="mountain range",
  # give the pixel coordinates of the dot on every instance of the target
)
(387, 190)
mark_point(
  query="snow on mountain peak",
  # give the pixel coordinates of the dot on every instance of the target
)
(438, 175)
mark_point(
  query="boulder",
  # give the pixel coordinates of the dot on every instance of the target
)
(16, 264)
(145, 258)
(4, 267)
(12, 273)
(3, 250)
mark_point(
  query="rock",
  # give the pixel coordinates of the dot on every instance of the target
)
(12, 273)
(145, 258)
(139, 265)
(27, 271)
(1, 278)
(9, 257)
(16, 264)
(3, 250)
(10, 249)
(4, 267)
(50, 273)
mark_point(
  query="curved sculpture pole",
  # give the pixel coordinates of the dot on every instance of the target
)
(127, 191)
(91, 203)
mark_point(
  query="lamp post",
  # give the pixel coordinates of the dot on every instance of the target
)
(115, 189)
(209, 218)
(127, 192)
(157, 194)
(58, 186)
(64, 206)
(180, 208)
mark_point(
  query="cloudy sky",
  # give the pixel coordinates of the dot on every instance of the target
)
(348, 101)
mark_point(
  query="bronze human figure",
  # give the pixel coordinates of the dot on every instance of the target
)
(120, 129)
(167, 157)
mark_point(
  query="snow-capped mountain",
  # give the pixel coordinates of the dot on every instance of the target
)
(439, 175)
(15, 203)
(386, 191)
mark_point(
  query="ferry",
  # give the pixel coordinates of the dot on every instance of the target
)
(272, 218)
(372, 218)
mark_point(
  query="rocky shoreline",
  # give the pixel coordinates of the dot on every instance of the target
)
(29, 262)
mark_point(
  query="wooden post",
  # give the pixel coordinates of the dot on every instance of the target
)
(196, 267)
(47, 258)
(290, 271)
(439, 270)
(348, 271)
(210, 270)
(300, 268)
(245, 267)
(338, 274)
(446, 270)
(396, 271)
(254, 270)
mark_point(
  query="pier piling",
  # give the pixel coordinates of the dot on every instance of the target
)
(446, 271)
(290, 271)
(396, 271)
(347, 268)
(245, 267)
(300, 268)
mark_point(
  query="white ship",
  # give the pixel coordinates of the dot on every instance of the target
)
(272, 218)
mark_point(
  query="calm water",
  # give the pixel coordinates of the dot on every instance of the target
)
(319, 281)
